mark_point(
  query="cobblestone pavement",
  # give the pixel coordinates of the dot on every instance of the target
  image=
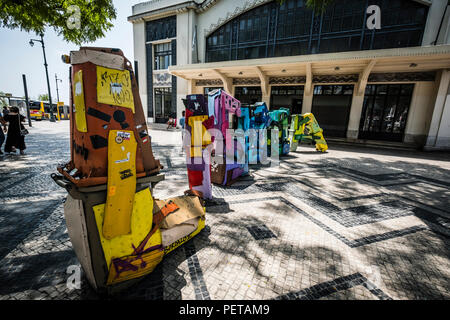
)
(354, 223)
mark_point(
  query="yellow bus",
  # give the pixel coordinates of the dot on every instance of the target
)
(37, 111)
(63, 111)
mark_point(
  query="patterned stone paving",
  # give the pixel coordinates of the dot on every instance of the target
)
(354, 223)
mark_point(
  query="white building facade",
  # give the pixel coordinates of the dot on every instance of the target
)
(389, 84)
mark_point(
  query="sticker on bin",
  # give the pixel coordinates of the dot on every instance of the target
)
(124, 135)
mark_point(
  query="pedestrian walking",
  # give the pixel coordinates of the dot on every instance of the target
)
(182, 121)
(183, 113)
(2, 135)
(16, 131)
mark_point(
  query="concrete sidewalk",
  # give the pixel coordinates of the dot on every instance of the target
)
(353, 223)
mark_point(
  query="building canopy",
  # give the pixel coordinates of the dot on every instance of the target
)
(357, 65)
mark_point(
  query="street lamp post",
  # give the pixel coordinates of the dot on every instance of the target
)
(52, 117)
(56, 80)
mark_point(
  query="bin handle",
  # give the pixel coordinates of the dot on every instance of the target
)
(59, 181)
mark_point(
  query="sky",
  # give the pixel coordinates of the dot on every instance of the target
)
(18, 57)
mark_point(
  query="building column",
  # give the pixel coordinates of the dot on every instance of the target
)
(420, 113)
(355, 115)
(439, 133)
(308, 93)
(140, 55)
(265, 87)
(307, 101)
(193, 88)
(359, 91)
(443, 137)
(266, 100)
(185, 26)
(435, 13)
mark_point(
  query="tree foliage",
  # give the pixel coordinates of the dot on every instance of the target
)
(43, 97)
(317, 5)
(3, 100)
(95, 17)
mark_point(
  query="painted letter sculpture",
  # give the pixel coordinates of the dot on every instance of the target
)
(226, 170)
(198, 160)
(280, 120)
(243, 127)
(259, 123)
(304, 128)
(119, 232)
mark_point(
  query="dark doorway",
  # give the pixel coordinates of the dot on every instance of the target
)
(331, 107)
(248, 95)
(385, 111)
(290, 97)
(164, 108)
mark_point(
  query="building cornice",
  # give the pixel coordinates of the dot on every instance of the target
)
(206, 5)
(339, 56)
(246, 6)
(157, 13)
(176, 8)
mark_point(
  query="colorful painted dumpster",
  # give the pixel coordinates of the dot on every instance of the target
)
(197, 123)
(118, 231)
(305, 129)
(226, 110)
(259, 121)
(244, 126)
(280, 120)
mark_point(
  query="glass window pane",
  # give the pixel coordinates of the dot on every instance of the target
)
(328, 90)
(368, 103)
(402, 114)
(394, 89)
(285, 29)
(338, 90)
(370, 89)
(407, 89)
(377, 114)
(382, 89)
(389, 114)
(317, 89)
(158, 104)
(390, 111)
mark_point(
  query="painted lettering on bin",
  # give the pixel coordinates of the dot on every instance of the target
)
(177, 243)
(114, 87)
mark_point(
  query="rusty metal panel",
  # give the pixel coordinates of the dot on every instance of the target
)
(114, 87)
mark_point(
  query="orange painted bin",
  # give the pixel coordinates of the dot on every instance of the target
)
(105, 97)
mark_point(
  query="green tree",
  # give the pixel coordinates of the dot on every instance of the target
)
(43, 97)
(3, 100)
(86, 22)
(317, 5)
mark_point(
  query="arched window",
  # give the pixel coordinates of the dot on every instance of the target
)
(274, 30)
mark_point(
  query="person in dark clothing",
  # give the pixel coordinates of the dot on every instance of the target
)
(2, 135)
(15, 139)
